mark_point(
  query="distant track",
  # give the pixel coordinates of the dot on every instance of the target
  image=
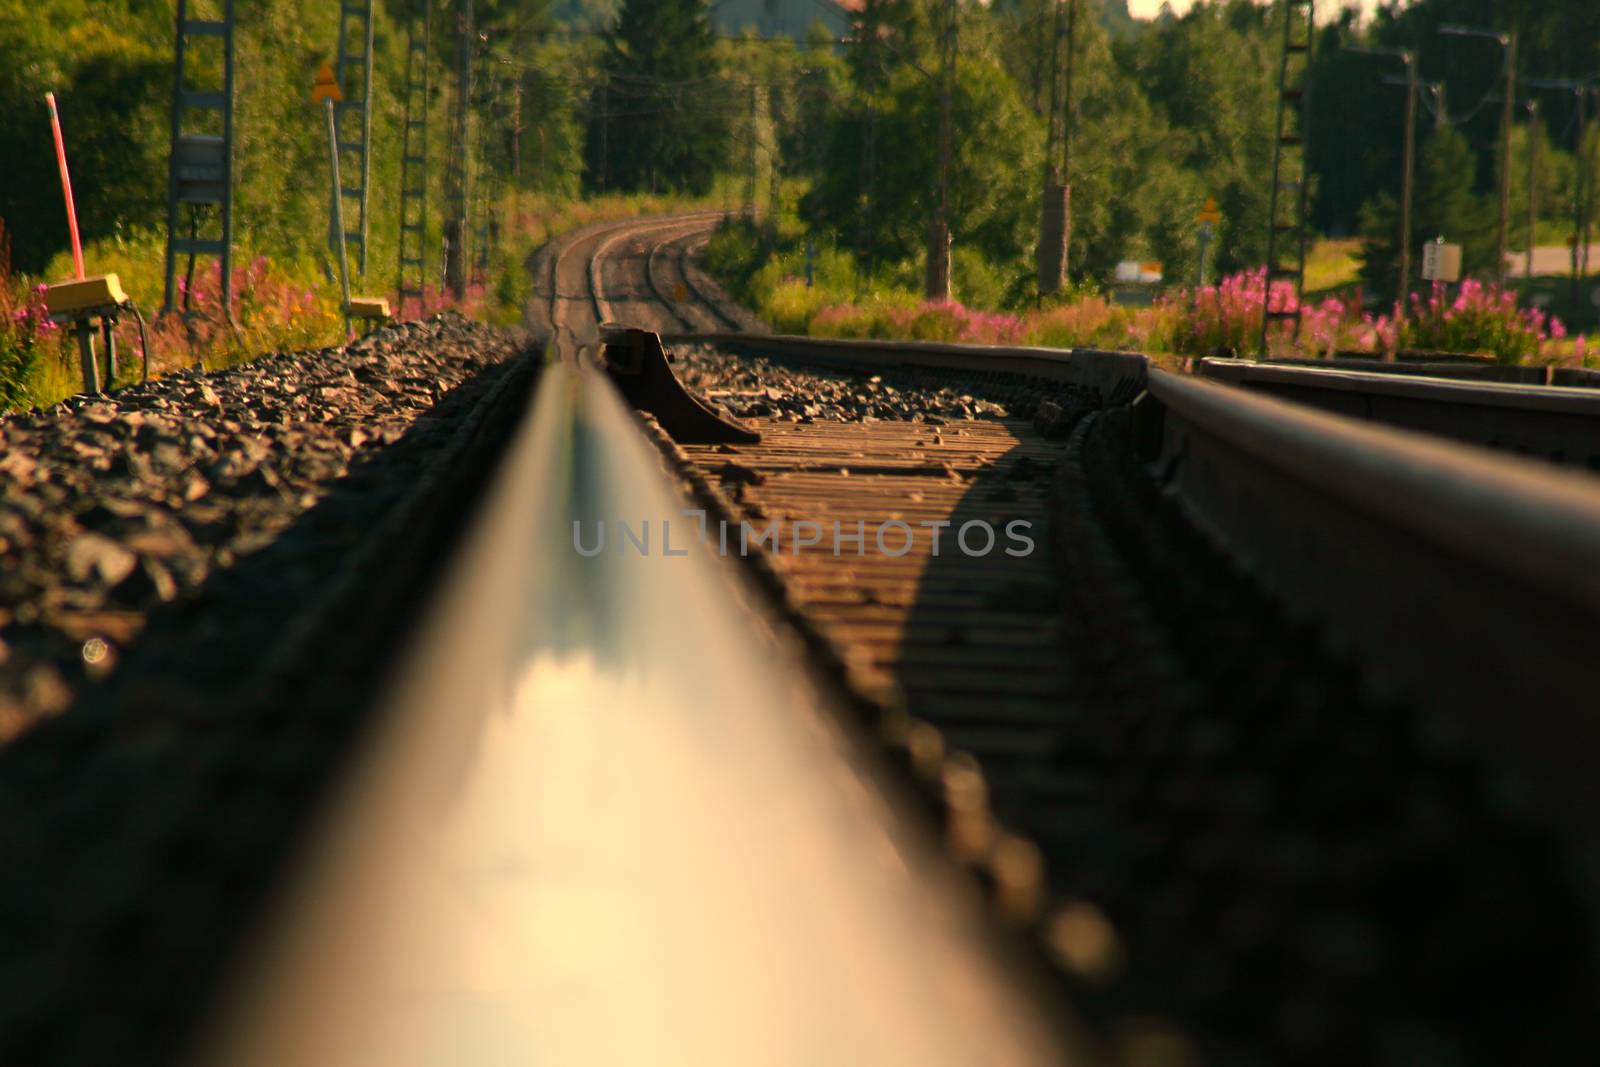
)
(627, 272)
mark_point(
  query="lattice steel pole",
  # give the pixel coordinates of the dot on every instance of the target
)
(455, 269)
(200, 171)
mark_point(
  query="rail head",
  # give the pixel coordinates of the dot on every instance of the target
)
(1460, 581)
(1507, 395)
(1540, 522)
(604, 790)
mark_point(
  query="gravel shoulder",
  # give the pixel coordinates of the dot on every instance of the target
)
(112, 508)
(146, 826)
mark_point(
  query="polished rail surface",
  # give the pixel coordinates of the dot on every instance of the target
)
(1460, 579)
(1550, 422)
(607, 821)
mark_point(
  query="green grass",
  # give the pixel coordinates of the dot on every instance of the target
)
(294, 304)
(1333, 264)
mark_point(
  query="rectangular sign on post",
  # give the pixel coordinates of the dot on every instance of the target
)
(1441, 262)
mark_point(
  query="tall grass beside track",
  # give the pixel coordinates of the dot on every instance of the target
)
(279, 305)
(765, 267)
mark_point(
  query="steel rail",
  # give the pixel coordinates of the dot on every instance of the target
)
(606, 819)
(565, 338)
(602, 305)
(1460, 579)
(562, 335)
(1553, 422)
(719, 305)
(652, 270)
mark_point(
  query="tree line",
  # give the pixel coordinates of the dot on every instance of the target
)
(644, 95)
(1163, 115)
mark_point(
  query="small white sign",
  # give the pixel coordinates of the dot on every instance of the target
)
(1133, 272)
(1441, 262)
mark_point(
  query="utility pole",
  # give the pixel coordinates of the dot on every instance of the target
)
(750, 182)
(486, 187)
(938, 267)
(516, 129)
(1051, 259)
(869, 136)
(200, 171)
(1579, 211)
(1533, 184)
(1586, 168)
(455, 235)
(1505, 156)
(1580, 197)
(774, 172)
(1068, 102)
(1290, 165)
(413, 274)
(1508, 48)
(353, 116)
(1407, 162)
(1407, 172)
(1052, 176)
(1440, 117)
(605, 132)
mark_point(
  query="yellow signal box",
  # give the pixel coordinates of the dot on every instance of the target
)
(369, 307)
(68, 300)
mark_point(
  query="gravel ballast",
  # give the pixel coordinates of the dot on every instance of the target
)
(146, 827)
(759, 387)
(111, 507)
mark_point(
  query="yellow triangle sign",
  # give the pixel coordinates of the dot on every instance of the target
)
(1209, 212)
(326, 87)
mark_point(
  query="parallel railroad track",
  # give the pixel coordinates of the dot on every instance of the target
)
(1560, 424)
(1229, 580)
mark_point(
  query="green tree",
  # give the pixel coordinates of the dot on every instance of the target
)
(993, 178)
(661, 117)
(1357, 129)
(1444, 206)
(1213, 75)
(112, 81)
(110, 63)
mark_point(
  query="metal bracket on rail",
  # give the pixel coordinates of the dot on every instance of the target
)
(642, 372)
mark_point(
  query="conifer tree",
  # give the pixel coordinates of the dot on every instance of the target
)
(660, 118)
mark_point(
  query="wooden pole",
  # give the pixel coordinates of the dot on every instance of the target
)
(1502, 243)
(1533, 182)
(1407, 169)
(938, 266)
